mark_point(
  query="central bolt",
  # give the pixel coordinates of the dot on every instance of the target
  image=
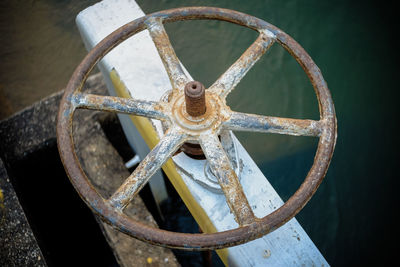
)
(195, 98)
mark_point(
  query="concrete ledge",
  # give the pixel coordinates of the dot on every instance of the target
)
(34, 129)
(17, 242)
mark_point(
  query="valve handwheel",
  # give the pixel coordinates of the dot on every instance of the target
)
(193, 114)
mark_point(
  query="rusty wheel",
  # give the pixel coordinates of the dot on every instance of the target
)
(206, 116)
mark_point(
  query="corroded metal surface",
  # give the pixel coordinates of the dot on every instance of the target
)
(195, 98)
(228, 81)
(167, 146)
(256, 123)
(227, 178)
(203, 129)
(117, 104)
(192, 150)
(171, 62)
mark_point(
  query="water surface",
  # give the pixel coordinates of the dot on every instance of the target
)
(350, 218)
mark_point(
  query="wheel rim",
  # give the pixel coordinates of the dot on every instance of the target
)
(72, 100)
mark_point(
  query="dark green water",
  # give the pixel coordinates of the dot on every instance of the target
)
(39, 48)
(350, 218)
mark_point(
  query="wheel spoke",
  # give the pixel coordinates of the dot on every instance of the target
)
(230, 149)
(227, 178)
(167, 146)
(228, 81)
(257, 123)
(171, 62)
(144, 108)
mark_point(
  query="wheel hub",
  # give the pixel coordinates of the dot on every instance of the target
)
(196, 110)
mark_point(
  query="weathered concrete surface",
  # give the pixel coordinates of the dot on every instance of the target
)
(18, 246)
(29, 130)
(105, 169)
(35, 128)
